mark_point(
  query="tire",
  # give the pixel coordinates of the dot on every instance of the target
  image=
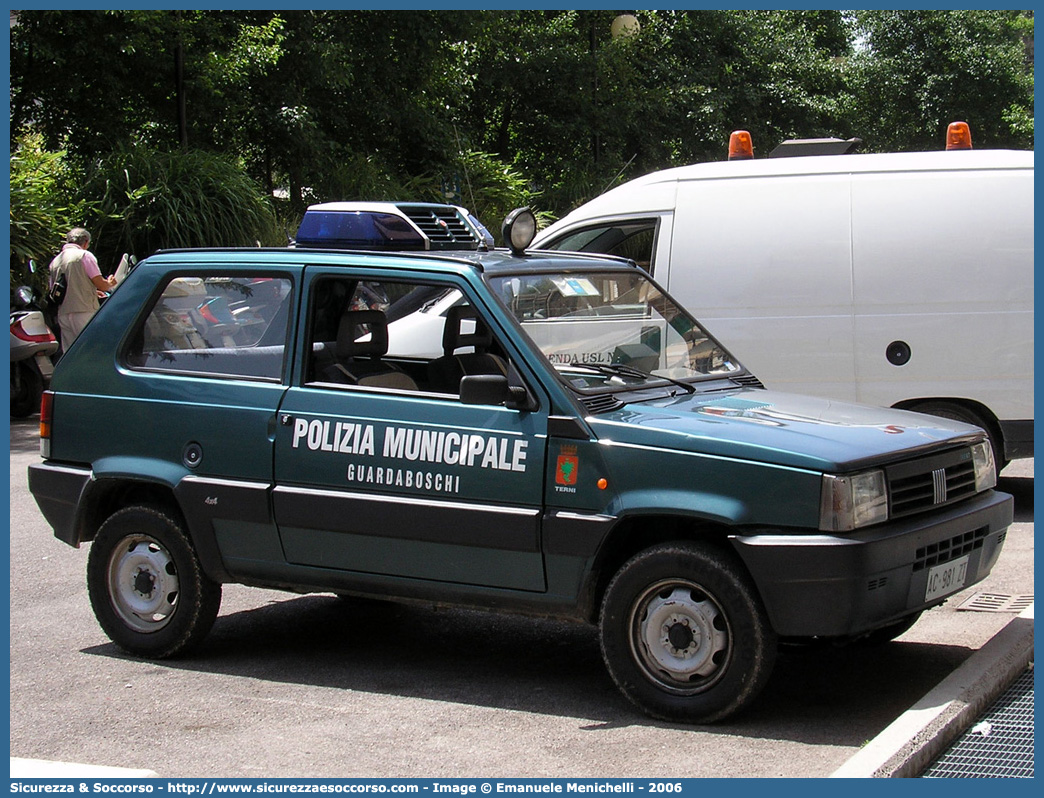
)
(26, 390)
(956, 412)
(684, 634)
(146, 585)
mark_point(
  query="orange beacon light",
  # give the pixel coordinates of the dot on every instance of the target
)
(741, 147)
(958, 136)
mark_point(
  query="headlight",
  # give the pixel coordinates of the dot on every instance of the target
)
(985, 469)
(854, 501)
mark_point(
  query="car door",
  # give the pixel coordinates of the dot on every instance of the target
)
(397, 477)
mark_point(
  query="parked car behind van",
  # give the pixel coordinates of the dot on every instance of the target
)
(903, 280)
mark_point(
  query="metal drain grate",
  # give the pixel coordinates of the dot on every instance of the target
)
(999, 745)
(997, 602)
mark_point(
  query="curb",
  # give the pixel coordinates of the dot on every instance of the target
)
(44, 769)
(908, 745)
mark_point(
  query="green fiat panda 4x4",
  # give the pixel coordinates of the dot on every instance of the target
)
(521, 431)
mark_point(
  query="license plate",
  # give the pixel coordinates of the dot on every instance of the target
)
(946, 578)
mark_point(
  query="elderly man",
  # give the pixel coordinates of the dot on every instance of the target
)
(83, 283)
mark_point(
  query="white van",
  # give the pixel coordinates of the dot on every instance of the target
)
(902, 279)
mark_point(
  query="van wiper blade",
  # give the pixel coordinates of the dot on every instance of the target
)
(619, 369)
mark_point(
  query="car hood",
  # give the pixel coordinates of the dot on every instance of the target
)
(785, 429)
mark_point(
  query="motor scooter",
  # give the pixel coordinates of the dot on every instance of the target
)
(32, 344)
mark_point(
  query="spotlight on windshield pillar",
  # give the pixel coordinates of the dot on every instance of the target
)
(519, 229)
(741, 148)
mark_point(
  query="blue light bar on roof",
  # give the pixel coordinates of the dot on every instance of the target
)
(391, 226)
(358, 230)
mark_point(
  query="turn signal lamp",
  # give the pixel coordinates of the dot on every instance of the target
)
(958, 136)
(741, 148)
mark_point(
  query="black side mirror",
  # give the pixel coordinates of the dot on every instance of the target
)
(493, 389)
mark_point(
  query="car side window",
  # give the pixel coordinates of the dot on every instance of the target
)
(632, 239)
(230, 326)
(405, 336)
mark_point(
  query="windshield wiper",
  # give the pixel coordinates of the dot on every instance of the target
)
(619, 369)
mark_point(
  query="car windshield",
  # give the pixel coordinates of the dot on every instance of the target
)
(613, 330)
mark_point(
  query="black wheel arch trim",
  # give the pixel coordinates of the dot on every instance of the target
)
(604, 542)
(73, 500)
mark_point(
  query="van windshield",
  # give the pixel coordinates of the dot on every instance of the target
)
(611, 330)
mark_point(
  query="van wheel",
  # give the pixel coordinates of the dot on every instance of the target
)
(146, 584)
(957, 412)
(684, 634)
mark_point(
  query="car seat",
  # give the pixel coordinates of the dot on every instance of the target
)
(444, 373)
(358, 357)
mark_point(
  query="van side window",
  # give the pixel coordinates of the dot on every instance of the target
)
(400, 336)
(632, 239)
(230, 326)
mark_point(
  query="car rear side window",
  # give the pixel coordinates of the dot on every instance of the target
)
(229, 326)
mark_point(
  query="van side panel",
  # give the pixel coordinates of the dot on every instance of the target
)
(765, 263)
(944, 263)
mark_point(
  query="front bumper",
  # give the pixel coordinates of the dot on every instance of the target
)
(840, 586)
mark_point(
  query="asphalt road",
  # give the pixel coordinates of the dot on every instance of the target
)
(314, 686)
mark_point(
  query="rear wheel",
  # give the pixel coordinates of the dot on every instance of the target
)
(147, 588)
(684, 635)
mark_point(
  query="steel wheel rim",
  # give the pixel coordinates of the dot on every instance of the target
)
(680, 636)
(143, 583)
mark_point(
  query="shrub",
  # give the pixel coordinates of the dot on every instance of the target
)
(491, 189)
(42, 207)
(153, 200)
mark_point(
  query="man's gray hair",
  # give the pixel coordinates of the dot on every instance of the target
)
(78, 235)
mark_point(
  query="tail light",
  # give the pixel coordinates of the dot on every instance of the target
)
(958, 136)
(46, 414)
(19, 332)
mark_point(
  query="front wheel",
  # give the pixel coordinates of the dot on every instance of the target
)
(684, 635)
(147, 588)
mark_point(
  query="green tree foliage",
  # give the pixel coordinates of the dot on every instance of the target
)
(344, 90)
(668, 94)
(540, 107)
(42, 206)
(914, 72)
(93, 80)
